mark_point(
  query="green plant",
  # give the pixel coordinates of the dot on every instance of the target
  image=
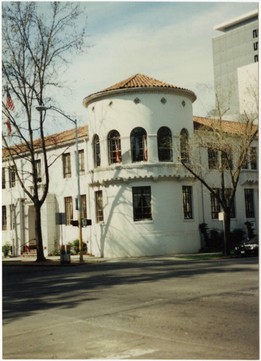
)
(6, 248)
(75, 249)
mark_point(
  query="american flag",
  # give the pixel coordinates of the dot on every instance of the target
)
(9, 101)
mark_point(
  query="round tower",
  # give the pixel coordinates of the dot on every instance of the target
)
(142, 201)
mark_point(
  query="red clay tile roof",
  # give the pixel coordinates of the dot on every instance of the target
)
(137, 81)
(52, 140)
(226, 126)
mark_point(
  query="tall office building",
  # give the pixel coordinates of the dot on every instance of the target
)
(235, 57)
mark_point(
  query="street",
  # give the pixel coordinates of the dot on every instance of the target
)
(148, 308)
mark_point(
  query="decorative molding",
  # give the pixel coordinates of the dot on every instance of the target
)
(163, 100)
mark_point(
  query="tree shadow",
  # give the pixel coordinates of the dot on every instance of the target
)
(27, 290)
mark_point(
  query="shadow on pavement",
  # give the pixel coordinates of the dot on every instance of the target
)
(30, 289)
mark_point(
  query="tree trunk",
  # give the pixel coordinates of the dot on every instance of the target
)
(227, 245)
(38, 234)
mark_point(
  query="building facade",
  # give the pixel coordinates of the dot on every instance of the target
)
(140, 198)
(235, 65)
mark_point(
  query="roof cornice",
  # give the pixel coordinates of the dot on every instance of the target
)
(138, 83)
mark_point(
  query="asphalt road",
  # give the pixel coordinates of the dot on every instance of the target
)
(160, 308)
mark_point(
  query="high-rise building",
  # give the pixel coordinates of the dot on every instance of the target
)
(235, 58)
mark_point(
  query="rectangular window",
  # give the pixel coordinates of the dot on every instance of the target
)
(4, 218)
(3, 179)
(68, 206)
(99, 206)
(12, 216)
(84, 206)
(253, 158)
(213, 159)
(81, 161)
(249, 203)
(255, 33)
(141, 197)
(67, 172)
(226, 160)
(38, 170)
(187, 202)
(214, 204)
(12, 176)
(245, 164)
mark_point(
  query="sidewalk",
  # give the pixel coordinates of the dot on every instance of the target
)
(87, 259)
(50, 261)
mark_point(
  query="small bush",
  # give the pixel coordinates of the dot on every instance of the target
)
(6, 248)
(216, 240)
(75, 249)
(237, 236)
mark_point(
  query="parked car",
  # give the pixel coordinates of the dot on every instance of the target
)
(247, 248)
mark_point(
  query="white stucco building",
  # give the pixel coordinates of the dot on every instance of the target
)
(140, 198)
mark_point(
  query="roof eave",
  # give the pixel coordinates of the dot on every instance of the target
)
(104, 94)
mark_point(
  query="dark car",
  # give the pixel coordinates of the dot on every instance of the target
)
(247, 248)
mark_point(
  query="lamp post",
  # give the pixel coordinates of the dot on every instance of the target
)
(43, 108)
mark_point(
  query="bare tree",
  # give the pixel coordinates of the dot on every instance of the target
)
(228, 145)
(37, 40)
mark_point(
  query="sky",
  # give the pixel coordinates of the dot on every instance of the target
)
(169, 41)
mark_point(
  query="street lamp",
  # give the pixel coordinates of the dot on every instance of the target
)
(42, 108)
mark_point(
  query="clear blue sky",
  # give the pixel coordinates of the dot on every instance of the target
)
(169, 41)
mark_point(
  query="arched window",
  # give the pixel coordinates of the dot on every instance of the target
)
(114, 147)
(139, 149)
(96, 151)
(184, 145)
(164, 137)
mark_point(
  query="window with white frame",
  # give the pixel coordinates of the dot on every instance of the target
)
(213, 158)
(215, 205)
(12, 216)
(3, 178)
(68, 207)
(67, 171)
(253, 158)
(187, 202)
(38, 170)
(99, 206)
(4, 218)
(249, 203)
(226, 160)
(96, 151)
(164, 139)
(141, 197)
(84, 206)
(114, 147)
(139, 148)
(81, 161)
(12, 176)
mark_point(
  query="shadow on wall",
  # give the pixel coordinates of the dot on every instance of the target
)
(126, 238)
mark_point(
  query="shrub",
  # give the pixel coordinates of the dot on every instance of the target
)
(6, 248)
(216, 240)
(237, 236)
(75, 249)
